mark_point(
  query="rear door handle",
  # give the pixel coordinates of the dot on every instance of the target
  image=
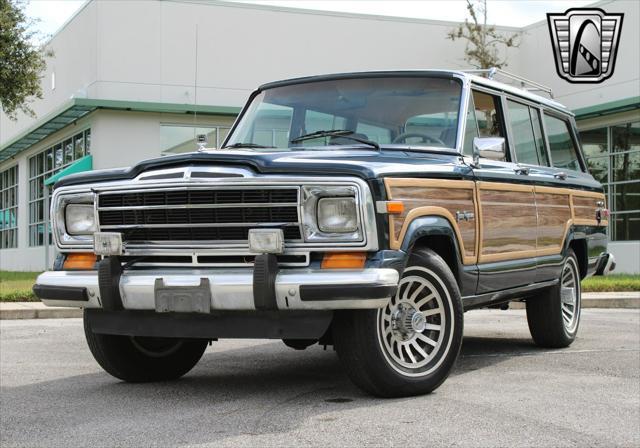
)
(561, 175)
(522, 170)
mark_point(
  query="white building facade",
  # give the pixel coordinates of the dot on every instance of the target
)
(134, 80)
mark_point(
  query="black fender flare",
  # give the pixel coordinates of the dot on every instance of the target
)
(436, 225)
(430, 225)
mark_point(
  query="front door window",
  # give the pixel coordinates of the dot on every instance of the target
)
(483, 119)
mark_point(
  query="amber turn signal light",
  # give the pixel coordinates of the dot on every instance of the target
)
(344, 260)
(80, 261)
(395, 207)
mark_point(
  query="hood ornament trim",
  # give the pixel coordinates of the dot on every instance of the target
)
(194, 173)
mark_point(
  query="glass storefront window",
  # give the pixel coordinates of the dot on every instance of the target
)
(9, 208)
(626, 227)
(44, 165)
(613, 158)
(626, 196)
(626, 146)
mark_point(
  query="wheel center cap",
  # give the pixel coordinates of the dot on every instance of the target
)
(407, 321)
(418, 322)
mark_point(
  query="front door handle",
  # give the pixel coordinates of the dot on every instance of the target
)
(561, 175)
(521, 170)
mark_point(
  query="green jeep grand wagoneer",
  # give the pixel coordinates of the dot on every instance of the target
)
(363, 210)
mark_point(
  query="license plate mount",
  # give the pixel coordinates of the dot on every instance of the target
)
(183, 299)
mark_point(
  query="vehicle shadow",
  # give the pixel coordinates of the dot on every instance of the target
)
(263, 389)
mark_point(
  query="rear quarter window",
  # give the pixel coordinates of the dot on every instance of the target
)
(563, 150)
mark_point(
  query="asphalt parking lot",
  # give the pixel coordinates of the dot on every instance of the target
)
(503, 392)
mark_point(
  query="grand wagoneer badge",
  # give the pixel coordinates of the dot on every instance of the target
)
(585, 43)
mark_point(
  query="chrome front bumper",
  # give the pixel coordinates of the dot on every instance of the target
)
(231, 289)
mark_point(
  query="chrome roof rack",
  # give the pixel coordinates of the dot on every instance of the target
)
(526, 84)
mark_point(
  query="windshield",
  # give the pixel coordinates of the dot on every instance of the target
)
(388, 111)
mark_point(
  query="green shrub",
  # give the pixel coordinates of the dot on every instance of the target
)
(612, 282)
(16, 286)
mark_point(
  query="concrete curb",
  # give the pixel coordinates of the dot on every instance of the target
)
(628, 300)
(611, 300)
(37, 310)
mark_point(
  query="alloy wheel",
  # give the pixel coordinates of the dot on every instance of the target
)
(412, 327)
(570, 296)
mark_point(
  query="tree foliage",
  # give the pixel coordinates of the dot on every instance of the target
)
(21, 61)
(483, 41)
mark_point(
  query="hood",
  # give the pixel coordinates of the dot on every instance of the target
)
(366, 164)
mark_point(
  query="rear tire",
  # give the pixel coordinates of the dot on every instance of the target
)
(554, 316)
(408, 347)
(144, 359)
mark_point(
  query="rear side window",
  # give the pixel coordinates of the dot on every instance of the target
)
(527, 136)
(537, 132)
(561, 145)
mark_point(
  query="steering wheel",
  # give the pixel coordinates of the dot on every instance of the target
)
(425, 138)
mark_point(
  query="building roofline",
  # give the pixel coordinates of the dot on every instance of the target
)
(67, 22)
(542, 22)
(149, 106)
(351, 15)
(77, 108)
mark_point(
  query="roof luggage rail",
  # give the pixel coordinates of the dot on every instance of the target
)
(526, 84)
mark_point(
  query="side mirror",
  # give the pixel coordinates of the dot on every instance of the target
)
(488, 148)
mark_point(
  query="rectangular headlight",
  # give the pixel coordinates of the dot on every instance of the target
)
(337, 215)
(80, 219)
(331, 214)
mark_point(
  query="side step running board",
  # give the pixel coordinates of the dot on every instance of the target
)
(496, 297)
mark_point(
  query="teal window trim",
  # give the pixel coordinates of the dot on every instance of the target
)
(77, 108)
(608, 108)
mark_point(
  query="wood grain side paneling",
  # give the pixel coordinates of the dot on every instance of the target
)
(507, 221)
(512, 221)
(554, 219)
(585, 206)
(422, 197)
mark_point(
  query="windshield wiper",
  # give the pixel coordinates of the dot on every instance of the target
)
(344, 133)
(246, 145)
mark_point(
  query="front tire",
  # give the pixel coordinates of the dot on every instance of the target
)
(144, 359)
(554, 316)
(408, 347)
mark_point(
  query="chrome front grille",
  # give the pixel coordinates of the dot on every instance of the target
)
(207, 197)
(191, 214)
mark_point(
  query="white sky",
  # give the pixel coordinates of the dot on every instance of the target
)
(54, 13)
